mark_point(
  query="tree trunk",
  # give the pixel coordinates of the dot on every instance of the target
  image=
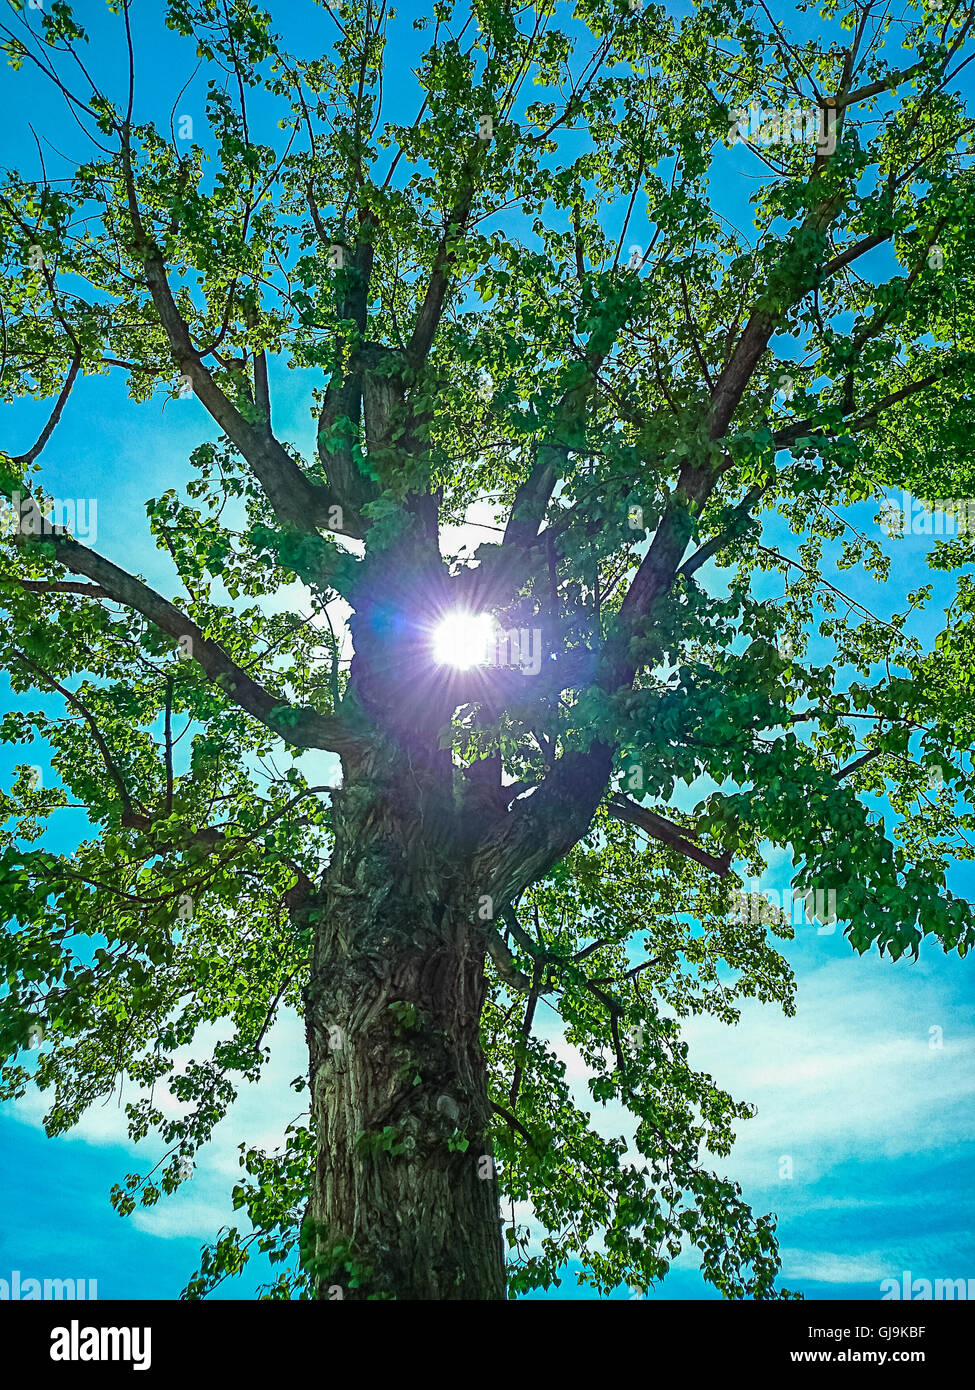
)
(404, 1202)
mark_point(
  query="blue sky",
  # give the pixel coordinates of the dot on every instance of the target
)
(877, 1122)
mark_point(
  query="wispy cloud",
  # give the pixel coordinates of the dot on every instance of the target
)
(828, 1267)
(877, 1123)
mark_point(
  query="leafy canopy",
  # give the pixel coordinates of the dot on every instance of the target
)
(490, 246)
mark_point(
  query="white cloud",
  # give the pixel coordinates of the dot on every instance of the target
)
(176, 1217)
(849, 1086)
(851, 1076)
(827, 1267)
(259, 1118)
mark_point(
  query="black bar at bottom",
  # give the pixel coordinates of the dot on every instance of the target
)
(65, 1340)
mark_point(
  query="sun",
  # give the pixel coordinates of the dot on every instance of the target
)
(463, 640)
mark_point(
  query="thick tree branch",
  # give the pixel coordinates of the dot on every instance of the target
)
(55, 415)
(854, 252)
(857, 763)
(540, 829)
(504, 961)
(301, 727)
(296, 501)
(111, 767)
(791, 433)
(431, 310)
(623, 809)
(568, 434)
(740, 517)
(59, 586)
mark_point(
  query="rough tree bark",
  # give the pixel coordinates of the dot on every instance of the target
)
(424, 857)
(404, 1189)
(404, 1201)
(404, 1184)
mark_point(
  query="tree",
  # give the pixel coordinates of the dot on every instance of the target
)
(525, 297)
